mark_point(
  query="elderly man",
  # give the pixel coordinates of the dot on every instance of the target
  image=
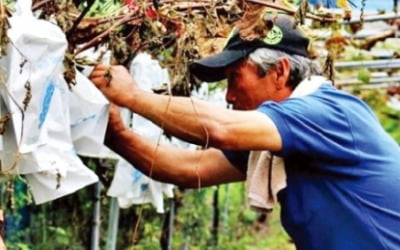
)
(343, 170)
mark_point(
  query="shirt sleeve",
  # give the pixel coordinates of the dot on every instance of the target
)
(238, 159)
(312, 128)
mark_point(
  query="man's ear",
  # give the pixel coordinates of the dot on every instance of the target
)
(282, 71)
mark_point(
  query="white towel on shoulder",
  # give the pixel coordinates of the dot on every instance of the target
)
(266, 174)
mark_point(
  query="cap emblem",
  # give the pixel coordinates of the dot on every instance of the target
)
(274, 36)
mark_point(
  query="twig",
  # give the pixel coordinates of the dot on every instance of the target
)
(190, 5)
(100, 37)
(368, 42)
(205, 4)
(103, 20)
(40, 4)
(291, 11)
(2, 12)
(80, 18)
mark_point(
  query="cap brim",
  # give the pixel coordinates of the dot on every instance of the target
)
(212, 69)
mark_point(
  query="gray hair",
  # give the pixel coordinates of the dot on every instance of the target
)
(300, 66)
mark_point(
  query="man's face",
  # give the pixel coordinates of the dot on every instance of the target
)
(246, 89)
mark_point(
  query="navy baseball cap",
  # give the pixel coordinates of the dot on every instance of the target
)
(282, 36)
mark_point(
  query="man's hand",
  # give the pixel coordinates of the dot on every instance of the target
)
(115, 83)
(115, 125)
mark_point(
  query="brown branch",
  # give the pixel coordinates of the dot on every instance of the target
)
(201, 5)
(105, 33)
(370, 41)
(103, 20)
(189, 5)
(4, 11)
(40, 4)
(80, 18)
(291, 11)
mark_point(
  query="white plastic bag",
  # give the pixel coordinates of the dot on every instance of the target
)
(35, 56)
(129, 185)
(59, 171)
(41, 135)
(89, 117)
(67, 175)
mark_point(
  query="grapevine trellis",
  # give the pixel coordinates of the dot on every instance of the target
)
(178, 32)
(184, 29)
(175, 32)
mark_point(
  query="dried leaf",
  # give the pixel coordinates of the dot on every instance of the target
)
(336, 45)
(252, 24)
(28, 95)
(22, 64)
(4, 40)
(3, 122)
(58, 178)
(65, 12)
(121, 51)
(69, 70)
(329, 68)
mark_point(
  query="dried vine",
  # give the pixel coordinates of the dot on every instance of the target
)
(301, 13)
(159, 27)
(363, 3)
(329, 68)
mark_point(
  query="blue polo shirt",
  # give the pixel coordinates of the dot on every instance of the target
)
(343, 173)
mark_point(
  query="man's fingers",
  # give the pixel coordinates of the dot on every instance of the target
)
(101, 75)
(99, 70)
(101, 66)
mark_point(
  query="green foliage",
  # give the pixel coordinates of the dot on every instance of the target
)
(193, 219)
(388, 117)
(391, 44)
(239, 226)
(355, 54)
(66, 223)
(103, 7)
(150, 230)
(364, 76)
(390, 120)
